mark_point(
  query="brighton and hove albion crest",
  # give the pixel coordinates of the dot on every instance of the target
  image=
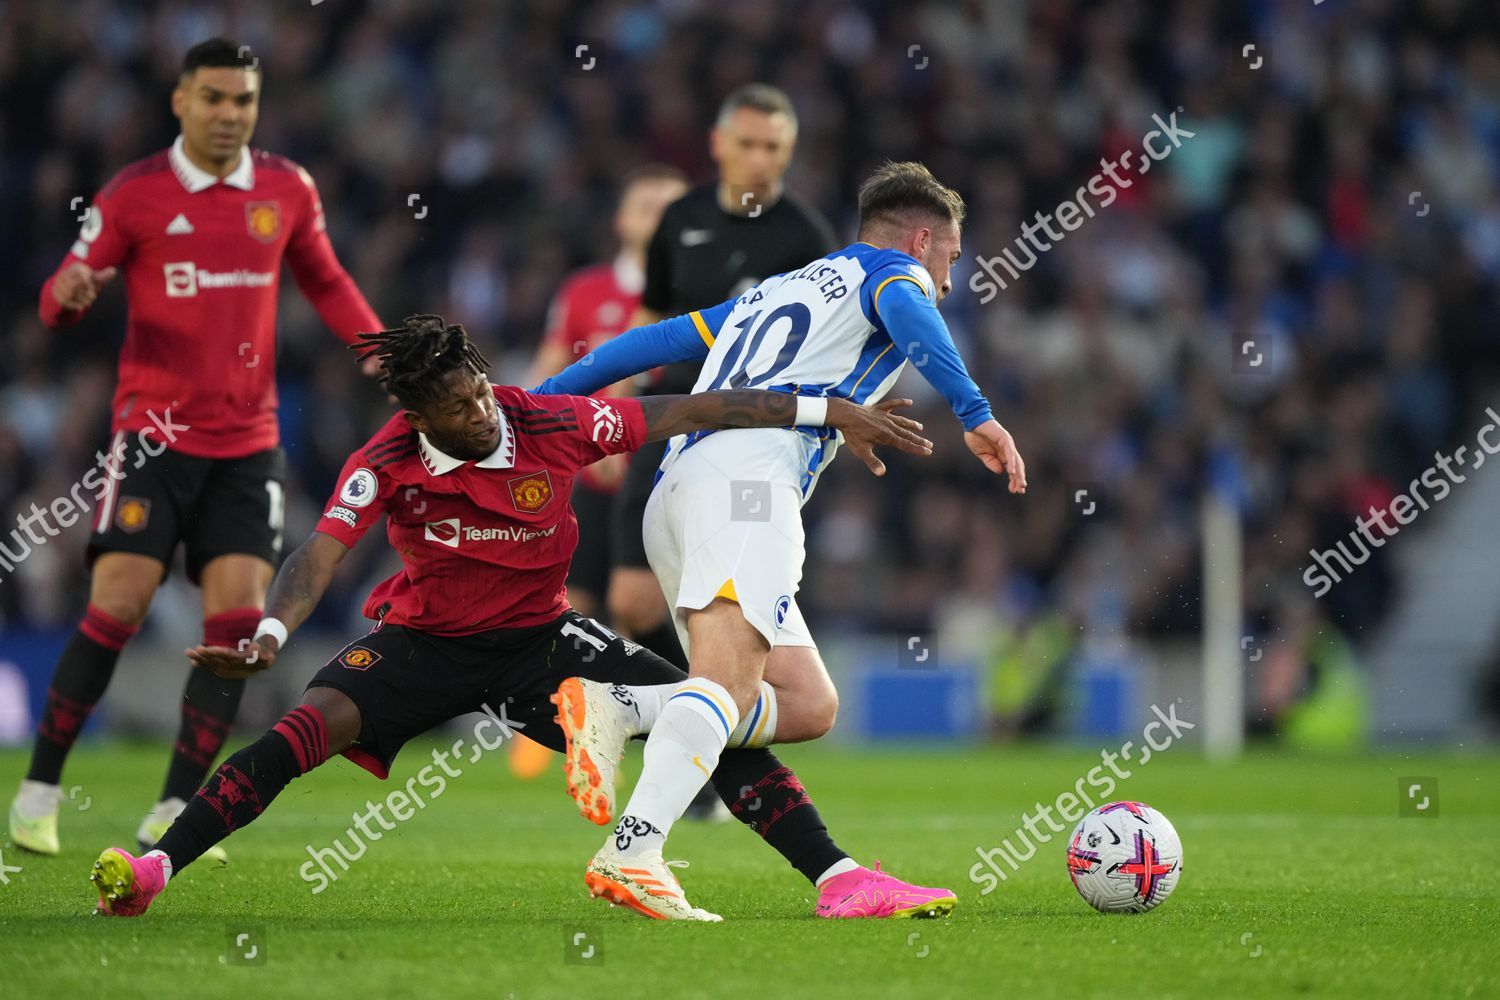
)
(263, 219)
(530, 493)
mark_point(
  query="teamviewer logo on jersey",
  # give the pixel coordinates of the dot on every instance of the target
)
(444, 532)
(182, 279)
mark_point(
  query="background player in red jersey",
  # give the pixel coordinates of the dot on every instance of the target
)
(473, 481)
(593, 305)
(200, 232)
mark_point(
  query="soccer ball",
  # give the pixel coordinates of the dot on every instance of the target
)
(1124, 857)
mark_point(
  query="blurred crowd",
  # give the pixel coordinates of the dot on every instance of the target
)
(1334, 217)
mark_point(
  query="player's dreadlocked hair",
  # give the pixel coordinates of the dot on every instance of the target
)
(418, 355)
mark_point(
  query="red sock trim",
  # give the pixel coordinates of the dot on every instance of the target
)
(368, 761)
(227, 628)
(306, 731)
(106, 630)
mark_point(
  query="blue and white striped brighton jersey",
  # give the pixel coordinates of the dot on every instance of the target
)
(844, 325)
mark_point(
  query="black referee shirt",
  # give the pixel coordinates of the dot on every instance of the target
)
(702, 255)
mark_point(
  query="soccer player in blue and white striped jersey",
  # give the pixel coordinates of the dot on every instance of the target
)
(723, 529)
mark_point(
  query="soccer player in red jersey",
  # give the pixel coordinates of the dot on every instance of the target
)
(473, 480)
(200, 232)
(593, 305)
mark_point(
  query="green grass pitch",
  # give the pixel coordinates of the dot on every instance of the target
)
(1300, 878)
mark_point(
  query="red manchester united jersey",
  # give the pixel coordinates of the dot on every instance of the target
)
(201, 260)
(593, 305)
(486, 544)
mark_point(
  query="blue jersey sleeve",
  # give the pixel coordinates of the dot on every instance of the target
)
(681, 338)
(917, 329)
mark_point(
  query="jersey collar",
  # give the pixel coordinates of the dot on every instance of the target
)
(629, 275)
(196, 179)
(440, 463)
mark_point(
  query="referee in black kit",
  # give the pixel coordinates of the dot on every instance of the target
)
(713, 244)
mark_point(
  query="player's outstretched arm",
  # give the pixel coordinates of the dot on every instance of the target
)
(681, 338)
(294, 593)
(863, 427)
(993, 445)
(918, 331)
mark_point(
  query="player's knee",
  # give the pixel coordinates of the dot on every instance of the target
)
(234, 581)
(125, 605)
(744, 688)
(341, 716)
(824, 712)
(809, 714)
(618, 606)
(634, 609)
(122, 586)
(125, 610)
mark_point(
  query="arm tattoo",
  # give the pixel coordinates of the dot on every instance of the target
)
(670, 415)
(303, 578)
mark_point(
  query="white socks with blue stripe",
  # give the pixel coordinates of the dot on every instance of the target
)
(681, 755)
(756, 729)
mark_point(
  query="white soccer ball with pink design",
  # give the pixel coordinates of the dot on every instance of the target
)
(1124, 857)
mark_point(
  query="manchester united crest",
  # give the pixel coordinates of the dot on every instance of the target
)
(132, 514)
(359, 658)
(263, 219)
(530, 493)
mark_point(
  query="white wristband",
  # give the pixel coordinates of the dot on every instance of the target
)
(273, 628)
(812, 411)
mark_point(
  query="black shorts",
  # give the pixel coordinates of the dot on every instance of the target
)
(214, 506)
(405, 682)
(590, 568)
(627, 544)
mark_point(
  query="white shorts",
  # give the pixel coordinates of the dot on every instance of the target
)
(726, 519)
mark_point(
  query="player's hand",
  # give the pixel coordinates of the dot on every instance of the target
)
(997, 450)
(259, 654)
(77, 285)
(864, 427)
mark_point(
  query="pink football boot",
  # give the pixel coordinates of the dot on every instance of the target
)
(127, 884)
(866, 893)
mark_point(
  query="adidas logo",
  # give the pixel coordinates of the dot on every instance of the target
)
(179, 226)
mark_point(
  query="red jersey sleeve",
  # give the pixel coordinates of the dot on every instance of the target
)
(606, 426)
(594, 427)
(319, 274)
(102, 242)
(358, 503)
